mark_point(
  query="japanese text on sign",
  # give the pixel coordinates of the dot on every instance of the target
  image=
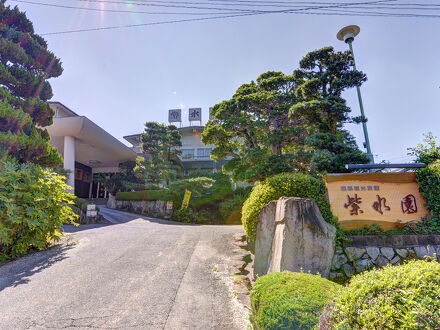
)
(194, 114)
(174, 115)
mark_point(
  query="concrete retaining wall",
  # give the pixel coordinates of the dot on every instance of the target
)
(366, 252)
(154, 209)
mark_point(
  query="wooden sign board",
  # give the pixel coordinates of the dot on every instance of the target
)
(386, 199)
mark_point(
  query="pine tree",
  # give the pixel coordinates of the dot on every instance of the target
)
(160, 145)
(25, 66)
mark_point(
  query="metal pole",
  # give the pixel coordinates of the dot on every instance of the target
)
(361, 106)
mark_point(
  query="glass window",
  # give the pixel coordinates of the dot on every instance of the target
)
(187, 153)
(204, 153)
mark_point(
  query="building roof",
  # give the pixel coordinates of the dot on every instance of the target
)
(58, 105)
(94, 146)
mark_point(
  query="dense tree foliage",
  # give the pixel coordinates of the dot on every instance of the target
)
(124, 180)
(25, 67)
(427, 152)
(322, 77)
(253, 127)
(285, 123)
(160, 145)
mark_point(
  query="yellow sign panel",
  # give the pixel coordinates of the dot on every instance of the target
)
(186, 198)
(386, 199)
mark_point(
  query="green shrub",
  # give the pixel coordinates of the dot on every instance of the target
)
(81, 204)
(394, 297)
(185, 215)
(145, 195)
(288, 185)
(428, 179)
(428, 152)
(427, 225)
(34, 204)
(204, 190)
(290, 300)
(151, 186)
(230, 209)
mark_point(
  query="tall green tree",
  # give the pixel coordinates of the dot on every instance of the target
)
(253, 127)
(287, 123)
(160, 145)
(25, 67)
(322, 77)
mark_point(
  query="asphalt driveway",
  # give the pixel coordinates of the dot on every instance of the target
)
(136, 273)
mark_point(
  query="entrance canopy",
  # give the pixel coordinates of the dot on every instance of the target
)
(79, 140)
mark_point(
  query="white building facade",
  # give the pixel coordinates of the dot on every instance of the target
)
(87, 149)
(195, 154)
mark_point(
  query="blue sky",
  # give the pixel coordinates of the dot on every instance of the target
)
(122, 78)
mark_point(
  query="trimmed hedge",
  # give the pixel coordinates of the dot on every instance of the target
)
(394, 297)
(288, 185)
(290, 300)
(145, 195)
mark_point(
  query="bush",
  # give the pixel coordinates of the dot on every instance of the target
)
(427, 225)
(185, 215)
(145, 195)
(428, 179)
(394, 297)
(204, 190)
(290, 300)
(288, 185)
(81, 203)
(34, 204)
(230, 209)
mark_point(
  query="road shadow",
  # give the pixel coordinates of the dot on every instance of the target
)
(117, 217)
(74, 229)
(20, 271)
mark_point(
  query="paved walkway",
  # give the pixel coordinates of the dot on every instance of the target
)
(137, 273)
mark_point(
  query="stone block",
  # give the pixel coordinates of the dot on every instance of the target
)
(339, 250)
(396, 261)
(111, 202)
(431, 251)
(264, 241)
(421, 251)
(338, 261)
(354, 253)
(403, 253)
(362, 264)
(381, 261)
(373, 252)
(387, 252)
(348, 270)
(301, 238)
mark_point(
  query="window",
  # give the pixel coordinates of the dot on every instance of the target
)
(187, 153)
(204, 153)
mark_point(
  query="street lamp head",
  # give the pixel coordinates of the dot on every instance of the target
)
(348, 33)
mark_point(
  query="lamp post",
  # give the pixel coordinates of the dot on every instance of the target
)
(347, 35)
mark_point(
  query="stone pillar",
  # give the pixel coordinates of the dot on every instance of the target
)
(292, 235)
(69, 160)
